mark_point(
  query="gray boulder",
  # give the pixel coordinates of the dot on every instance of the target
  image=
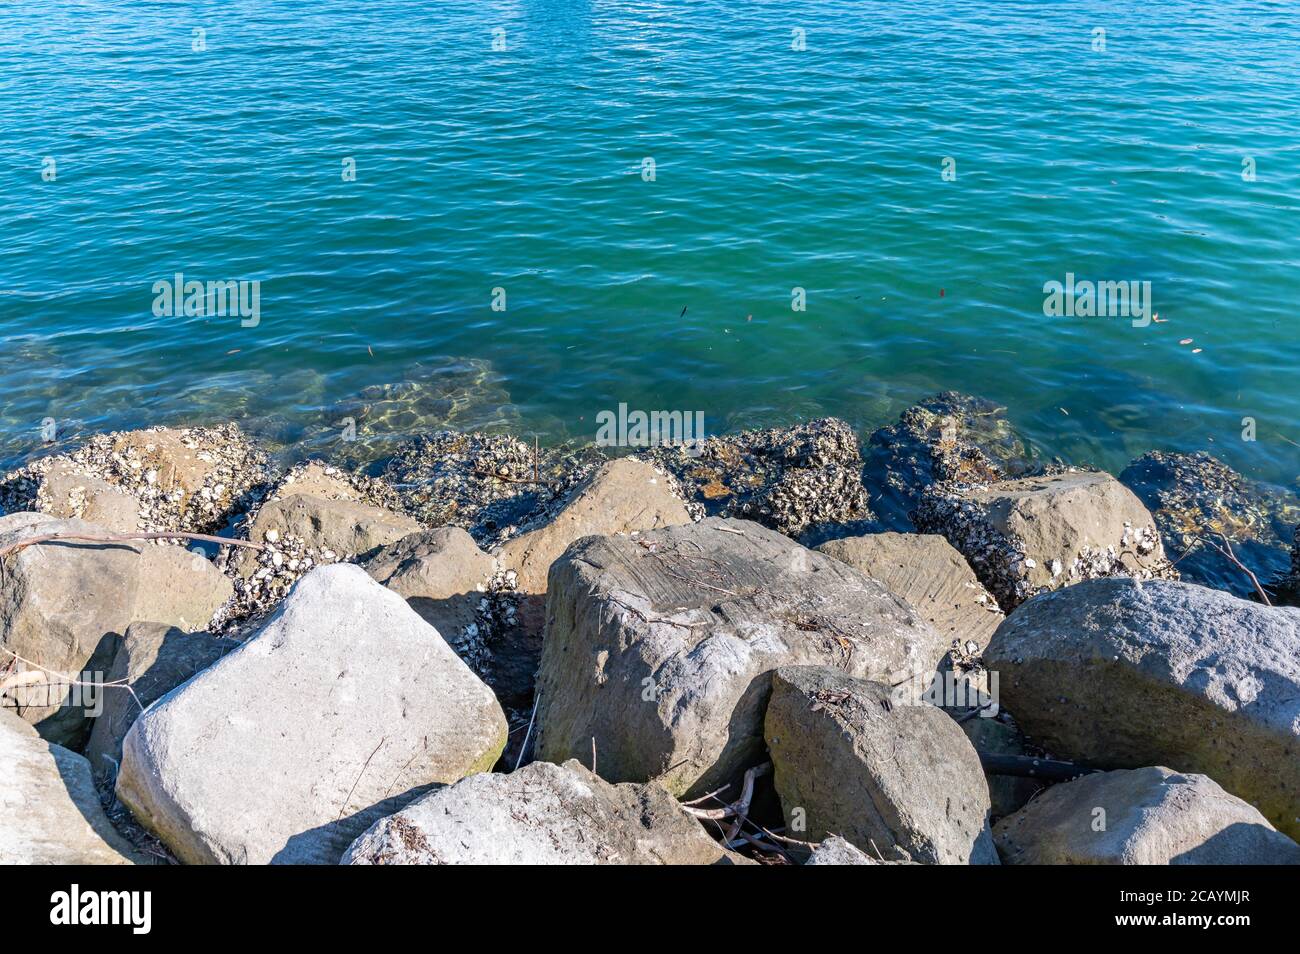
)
(659, 646)
(154, 659)
(1121, 674)
(64, 606)
(928, 573)
(1146, 816)
(50, 808)
(342, 707)
(1042, 533)
(337, 525)
(542, 814)
(898, 779)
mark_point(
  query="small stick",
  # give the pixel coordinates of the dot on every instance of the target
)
(524, 748)
(1232, 557)
(125, 538)
(10, 682)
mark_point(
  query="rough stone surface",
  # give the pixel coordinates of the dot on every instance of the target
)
(1196, 499)
(928, 573)
(950, 439)
(659, 646)
(542, 814)
(189, 479)
(340, 526)
(624, 495)
(1041, 533)
(65, 605)
(51, 813)
(898, 779)
(444, 577)
(489, 484)
(343, 705)
(836, 851)
(1123, 674)
(1148, 816)
(154, 659)
(800, 481)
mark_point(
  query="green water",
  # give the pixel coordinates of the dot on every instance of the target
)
(775, 168)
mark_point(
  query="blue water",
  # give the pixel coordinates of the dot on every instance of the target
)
(775, 168)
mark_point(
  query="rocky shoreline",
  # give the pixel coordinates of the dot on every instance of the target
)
(785, 646)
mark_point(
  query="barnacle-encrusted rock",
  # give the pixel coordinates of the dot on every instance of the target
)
(1034, 534)
(797, 480)
(1197, 501)
(948, 439)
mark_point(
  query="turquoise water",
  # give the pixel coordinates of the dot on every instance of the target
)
(775, 168)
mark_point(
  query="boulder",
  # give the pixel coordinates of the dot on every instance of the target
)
(51, 811)
(1145, 816)
(443, 576)
(343, 706)
(1123, 674)
(65, 605)
(154, 659)
(900, 779)
(1035, 534)
(335, 525)
(928, 573)
(659, 646)
(68, 493)
(624, 495)
(541, 814)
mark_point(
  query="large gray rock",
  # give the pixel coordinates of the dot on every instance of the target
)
(836, 851)
(344, 705)
(338, 525)
(659, 646)
(624, 495)
(1146, 816)
(542, 814)
(64, 606)
(1042, 533)
(897, 779)
(154, 659)
(1121, 674)
(929, 574)
(444, 577)
(66, 491)
(49, 811)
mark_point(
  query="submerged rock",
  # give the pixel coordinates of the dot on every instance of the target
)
(1035, 534)
(541, 814)
(344, 706)
(1145, 816)
(1197, 499)
(1122, 674)
(900, 780)
(800, 480)
(950, 439)
(1288, 587)
(659, 646)
(51, 811)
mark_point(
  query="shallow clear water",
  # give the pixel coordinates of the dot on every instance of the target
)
(775, 168)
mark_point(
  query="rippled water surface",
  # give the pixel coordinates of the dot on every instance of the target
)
(522, 169)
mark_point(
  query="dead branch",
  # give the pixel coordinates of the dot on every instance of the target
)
(1231, 556)
(21, 679)
(1024, 766)
(125, 538)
